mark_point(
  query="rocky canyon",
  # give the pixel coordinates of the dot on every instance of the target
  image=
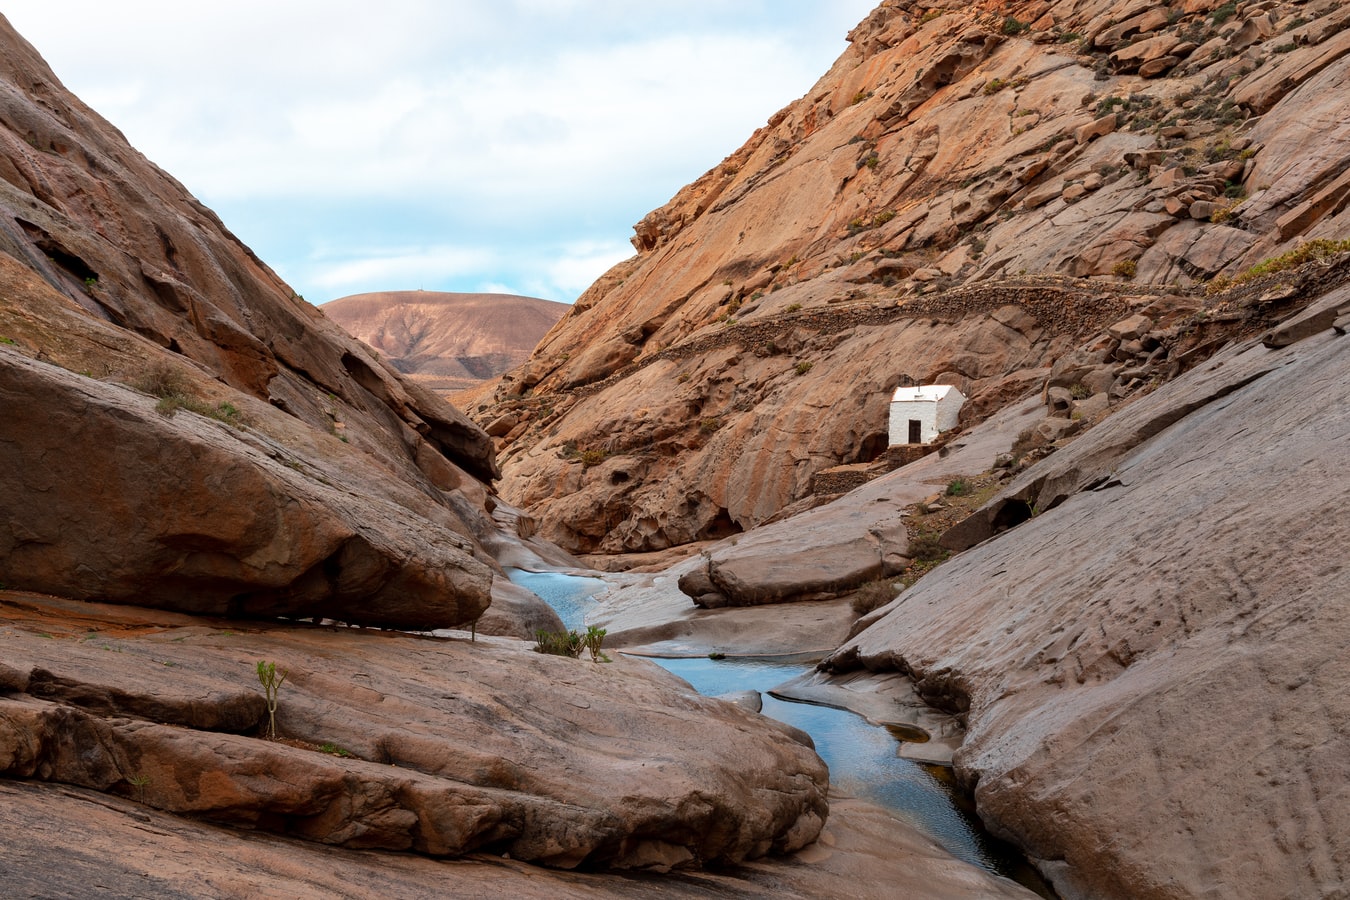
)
(1111, 603)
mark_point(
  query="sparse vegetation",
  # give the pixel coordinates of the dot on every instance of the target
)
(174, 394)
(1224, 13)
(334, 750)
(957, 487)
(592, 457)
(873, 595)
(931, 15)
(994, 85)
(1079, 391)
(558, 643)
(1318, 250)
(793, 307)
(1226, 211)
(803, 367)
(709, 425)
(571, 643)
(1011, 26)
(1125, 269)
(271, 682)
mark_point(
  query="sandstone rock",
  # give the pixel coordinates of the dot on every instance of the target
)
(965, 187)
(71, 838)
(147, 287)
(205, 519)
(821, 554)
(1097, 128)
(1130, 328)
(1087, 681)
(449, 746)
(1159, 66)
(1131, 58)
(1074, 192)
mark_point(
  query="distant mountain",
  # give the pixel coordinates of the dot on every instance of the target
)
(447, 341)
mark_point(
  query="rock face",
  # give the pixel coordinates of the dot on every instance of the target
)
(180, 429)
(1152, 669)
(923, 212)
(438, 746)
(447, 342)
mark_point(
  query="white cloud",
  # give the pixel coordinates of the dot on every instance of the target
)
(511, 133)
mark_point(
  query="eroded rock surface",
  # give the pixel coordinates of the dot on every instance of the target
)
(1152, 668)
(180, 429)
(928, 211)
(438, 746)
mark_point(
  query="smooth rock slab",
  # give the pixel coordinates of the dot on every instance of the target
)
(104, 498)
(450, 746)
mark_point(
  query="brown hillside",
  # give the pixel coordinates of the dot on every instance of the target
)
(971, 192)
(447, 341)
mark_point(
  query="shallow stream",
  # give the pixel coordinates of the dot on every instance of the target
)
(862, 757)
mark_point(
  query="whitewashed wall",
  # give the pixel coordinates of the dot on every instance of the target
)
(934, 417)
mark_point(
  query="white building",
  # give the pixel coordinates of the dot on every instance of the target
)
(920, 414)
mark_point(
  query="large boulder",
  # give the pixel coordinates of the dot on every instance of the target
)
(818, 554)
(106, 498)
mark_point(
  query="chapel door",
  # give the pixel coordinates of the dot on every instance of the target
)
(915, 431)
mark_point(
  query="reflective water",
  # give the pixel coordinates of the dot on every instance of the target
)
(569, 595)
(861, 756)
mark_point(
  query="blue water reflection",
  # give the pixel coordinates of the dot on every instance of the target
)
(862, 758)
(571, 596)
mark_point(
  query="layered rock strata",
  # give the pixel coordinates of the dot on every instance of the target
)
(1150, 663)
(697, 389)
(180, 429)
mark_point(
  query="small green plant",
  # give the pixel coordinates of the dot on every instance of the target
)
(592, 457)
(871, 161)
(803, 367)
(271, 682)
(334, 750)
(860, 96)
(793, 307)
(559, 643)
(8, 340)
(709, 425)
(994, 85)
(715, 655)
(1011, 26)
(139, 782)
(1069, 37)
(592, 640)
(931, 15)
(1079, 391)
(91, 281)
(957, 487)
(1125, 269)
(873, 595)
(924, 547)
(683, 377)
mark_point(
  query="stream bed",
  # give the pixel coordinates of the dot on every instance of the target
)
(862, 757)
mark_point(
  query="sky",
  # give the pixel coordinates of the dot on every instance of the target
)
(452, 145)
